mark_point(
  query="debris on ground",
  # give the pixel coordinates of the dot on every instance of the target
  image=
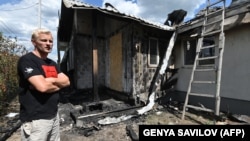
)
(118, 124)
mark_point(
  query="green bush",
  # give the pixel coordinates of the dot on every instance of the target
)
(9, 55)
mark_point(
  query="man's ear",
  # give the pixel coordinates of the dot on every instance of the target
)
(33, 42)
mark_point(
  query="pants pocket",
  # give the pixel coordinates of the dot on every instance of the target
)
(27, 127)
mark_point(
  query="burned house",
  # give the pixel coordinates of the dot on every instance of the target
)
(108, 52)
(234, 86)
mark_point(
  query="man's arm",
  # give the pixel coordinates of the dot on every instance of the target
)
(40, 83)
(62, 80)
(48, 85)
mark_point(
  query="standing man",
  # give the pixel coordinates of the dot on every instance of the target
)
(40, 80)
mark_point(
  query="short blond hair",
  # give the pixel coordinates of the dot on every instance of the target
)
(38, 31)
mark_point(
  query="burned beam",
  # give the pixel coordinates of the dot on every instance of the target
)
(108, 112)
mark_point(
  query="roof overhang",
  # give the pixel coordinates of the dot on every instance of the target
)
(68, 8)
(234, 16)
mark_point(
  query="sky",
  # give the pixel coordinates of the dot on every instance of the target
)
(19, 17)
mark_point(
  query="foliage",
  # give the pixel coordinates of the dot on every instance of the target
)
(9, 55)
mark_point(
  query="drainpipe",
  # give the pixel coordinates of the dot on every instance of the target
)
(158, 75)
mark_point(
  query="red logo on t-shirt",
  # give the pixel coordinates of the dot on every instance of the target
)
(50, 71)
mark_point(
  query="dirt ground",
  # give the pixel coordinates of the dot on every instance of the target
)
(119, 132)
(128, 130)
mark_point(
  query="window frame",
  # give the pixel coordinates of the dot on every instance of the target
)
(156, 54)
(192, 44)
(189, 44)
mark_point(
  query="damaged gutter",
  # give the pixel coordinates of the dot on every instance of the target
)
(158, 75)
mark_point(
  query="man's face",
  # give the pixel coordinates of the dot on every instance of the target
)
(44, 43)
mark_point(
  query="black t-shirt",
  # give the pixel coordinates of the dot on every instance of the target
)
(34, 104)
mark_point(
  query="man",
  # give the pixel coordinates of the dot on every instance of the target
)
(40, 80)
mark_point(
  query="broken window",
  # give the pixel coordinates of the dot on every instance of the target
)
(208, 52)
(153, 53)
(189, 51)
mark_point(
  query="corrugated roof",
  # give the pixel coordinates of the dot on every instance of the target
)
(235, 15)
(74, 4)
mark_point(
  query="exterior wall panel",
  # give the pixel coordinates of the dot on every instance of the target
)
(116, 65)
